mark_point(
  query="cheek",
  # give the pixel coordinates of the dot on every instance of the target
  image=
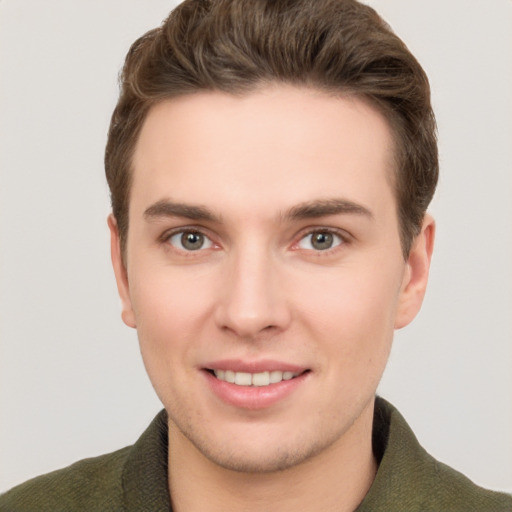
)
(171, 308)
(351, 299)
(170, 313)
(353, 313)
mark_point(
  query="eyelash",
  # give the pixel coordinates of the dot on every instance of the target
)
(168, 235)
(342, 235)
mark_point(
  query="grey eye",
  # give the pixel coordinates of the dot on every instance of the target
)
(190, 241)
(320, 241)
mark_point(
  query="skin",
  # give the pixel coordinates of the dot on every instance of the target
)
(259, 289)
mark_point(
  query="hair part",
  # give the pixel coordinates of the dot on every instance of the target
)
(341, 47)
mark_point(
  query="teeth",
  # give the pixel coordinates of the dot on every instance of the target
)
(253, 379)
(243, 379)
(276, 377)
(261, 379)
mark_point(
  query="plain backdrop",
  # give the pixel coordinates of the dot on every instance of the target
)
(72, 383)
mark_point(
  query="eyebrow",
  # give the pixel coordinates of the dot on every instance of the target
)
(307, 210)
(166, 208)
(326, 207)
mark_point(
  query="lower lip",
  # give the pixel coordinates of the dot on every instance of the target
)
(254, 397)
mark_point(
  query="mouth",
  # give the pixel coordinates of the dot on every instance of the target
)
(260, 379)
(255, 385)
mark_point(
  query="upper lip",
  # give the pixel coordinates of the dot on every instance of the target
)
(263, 365)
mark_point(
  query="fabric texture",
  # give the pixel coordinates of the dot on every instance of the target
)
(134, 479)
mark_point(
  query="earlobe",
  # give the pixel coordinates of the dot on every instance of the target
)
(415, 279)
(121, 275)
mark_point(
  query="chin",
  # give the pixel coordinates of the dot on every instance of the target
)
(261, 450)
(260, 461)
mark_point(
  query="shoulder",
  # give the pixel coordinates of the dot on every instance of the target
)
(451, 490)
(410, 479)
(90, 484)
(434, 484)
(133, 478)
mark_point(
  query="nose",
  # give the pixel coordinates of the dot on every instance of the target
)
(252, 300)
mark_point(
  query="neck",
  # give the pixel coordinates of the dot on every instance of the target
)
(336, 479)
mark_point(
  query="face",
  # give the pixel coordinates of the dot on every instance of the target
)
(264, 271)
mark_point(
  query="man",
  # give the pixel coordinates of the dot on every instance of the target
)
(270, 165)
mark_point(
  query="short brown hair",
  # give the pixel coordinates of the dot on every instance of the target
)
(235, 46)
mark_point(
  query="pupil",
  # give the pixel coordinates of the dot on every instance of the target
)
(322, 241)
(192, 241)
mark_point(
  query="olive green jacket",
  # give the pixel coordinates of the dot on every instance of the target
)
(134, 479)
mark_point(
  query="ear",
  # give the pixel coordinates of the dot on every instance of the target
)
(123, 288)
(414, 283)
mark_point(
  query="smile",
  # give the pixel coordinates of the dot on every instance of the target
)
(255, 385)
(254, 379)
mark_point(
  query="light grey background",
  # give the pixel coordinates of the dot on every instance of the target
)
(71, 381)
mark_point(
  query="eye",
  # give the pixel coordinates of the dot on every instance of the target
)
(190, 241)
(320, 240)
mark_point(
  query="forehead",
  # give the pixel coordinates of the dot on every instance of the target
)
(272, 148)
